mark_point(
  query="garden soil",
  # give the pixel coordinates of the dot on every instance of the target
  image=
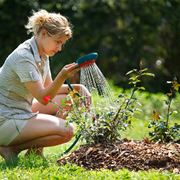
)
(133, 155)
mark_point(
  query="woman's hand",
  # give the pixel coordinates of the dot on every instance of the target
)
(69, 70)
(85, 93)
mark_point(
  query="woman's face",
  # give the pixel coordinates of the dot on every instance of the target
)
(50, 45)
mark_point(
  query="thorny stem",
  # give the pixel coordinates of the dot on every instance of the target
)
(59, 107)
(119, 110)
(132, 94)
(168, 114)
(127, 104)
(76, 110)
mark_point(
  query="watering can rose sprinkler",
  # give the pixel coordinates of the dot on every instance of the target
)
(83, 62)
(87, 60)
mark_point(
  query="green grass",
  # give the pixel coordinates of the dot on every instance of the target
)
(138, 130)
(36, 169)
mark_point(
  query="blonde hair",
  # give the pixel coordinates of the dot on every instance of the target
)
(56, 24)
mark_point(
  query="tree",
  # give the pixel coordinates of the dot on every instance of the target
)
(126, 34)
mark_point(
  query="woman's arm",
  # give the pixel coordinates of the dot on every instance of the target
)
(64, 89)
(51, 88)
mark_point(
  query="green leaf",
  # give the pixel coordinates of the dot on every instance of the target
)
(132, 71)
(148, 74)
(143, 70)
(141, 88)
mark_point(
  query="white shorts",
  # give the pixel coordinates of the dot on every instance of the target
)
(10, 129)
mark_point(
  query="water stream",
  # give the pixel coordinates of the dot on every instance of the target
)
(95, 82)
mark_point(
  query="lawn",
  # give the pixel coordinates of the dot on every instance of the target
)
(33, 167)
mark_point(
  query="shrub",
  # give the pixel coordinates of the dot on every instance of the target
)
(162, 130)
(104, 123)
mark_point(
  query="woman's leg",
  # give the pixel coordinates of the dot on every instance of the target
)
(51, 109)
(41, 131)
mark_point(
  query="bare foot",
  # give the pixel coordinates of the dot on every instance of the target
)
(8, 154)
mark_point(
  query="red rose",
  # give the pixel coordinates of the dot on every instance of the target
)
(47, 98)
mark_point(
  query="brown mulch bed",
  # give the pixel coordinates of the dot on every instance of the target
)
(133, 155)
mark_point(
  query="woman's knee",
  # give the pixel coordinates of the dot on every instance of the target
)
(69, 132)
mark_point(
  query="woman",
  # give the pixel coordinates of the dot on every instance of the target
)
(26, 123)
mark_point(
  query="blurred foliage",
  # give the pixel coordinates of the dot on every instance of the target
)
(127, 34)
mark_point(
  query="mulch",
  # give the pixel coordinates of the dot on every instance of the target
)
(133, 155)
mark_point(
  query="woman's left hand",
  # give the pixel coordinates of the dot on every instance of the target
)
(85, 93)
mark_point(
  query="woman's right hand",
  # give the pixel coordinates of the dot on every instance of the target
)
(69, 70)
